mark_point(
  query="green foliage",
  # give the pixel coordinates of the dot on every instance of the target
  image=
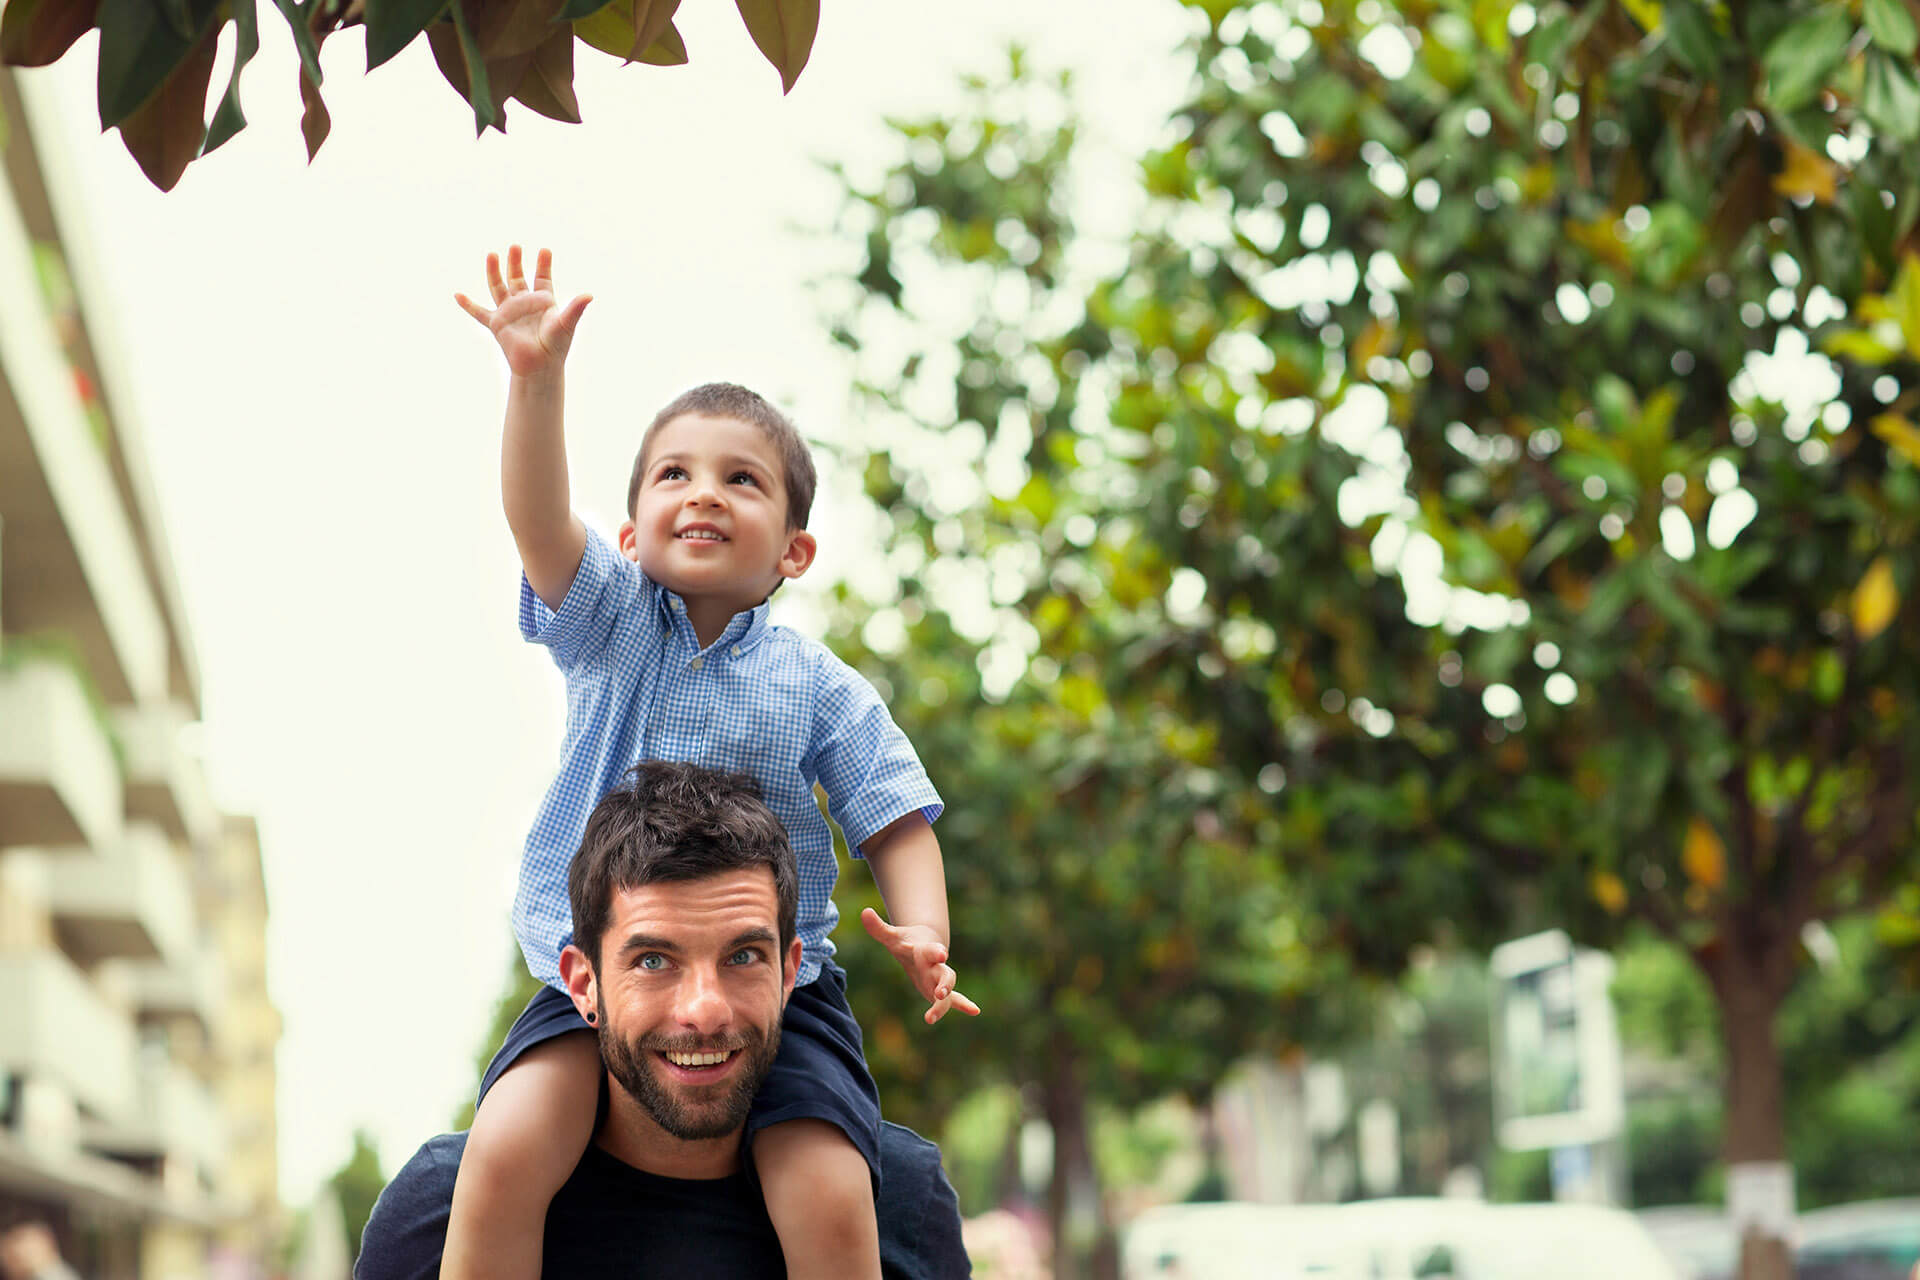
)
(520, 987)
(156, 59)
(358, 1184)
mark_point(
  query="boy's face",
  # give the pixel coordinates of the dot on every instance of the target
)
(710, 520)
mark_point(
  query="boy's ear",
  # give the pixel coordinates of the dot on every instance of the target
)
(801, 548)
(629, 541)
(577, 972)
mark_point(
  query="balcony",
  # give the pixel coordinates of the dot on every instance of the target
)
(175, 1119)
(59, 783)
(189, 986)
(55, 1028)
(72, 560)
(130, 901)
(165, 783)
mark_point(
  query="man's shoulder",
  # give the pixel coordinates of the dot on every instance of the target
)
(407, 1230)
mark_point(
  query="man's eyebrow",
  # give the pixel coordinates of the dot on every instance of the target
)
(647, 942)
(761, 934)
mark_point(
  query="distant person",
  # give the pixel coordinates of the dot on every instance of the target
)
(686, 951)
(29, 1251)
(668, 655)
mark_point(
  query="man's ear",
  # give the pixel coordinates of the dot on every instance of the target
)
(799, 554)
(577, 972)
(790, 970)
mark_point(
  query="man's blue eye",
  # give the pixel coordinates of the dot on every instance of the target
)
(653, 960)
(745, 955)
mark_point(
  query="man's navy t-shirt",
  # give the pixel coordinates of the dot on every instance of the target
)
(616, 1222)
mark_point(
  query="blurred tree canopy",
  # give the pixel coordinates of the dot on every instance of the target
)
(357, 1184)
(156, 56)
(1491, 452)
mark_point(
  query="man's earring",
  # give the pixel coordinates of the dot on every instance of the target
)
(593, 1019)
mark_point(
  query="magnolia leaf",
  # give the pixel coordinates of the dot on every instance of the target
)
(1806, 173)
(1890, 23)
(34, 33)
(227, 118)
(652, 20)
(1644, 12)
(1703, 857)
(178, 17)
(471, 79)
(609, 29)
(392, 25)
(1890, 96)
(1900, 434)
(1903, 302)
(574, 10)
(783, 30)
(138, 51)
(316, 122)
(509, 28)
(546, 86)
(1691, 37)
(165, 133)
(1859, 346)
(302, 39)
(1876, 600)
(668, 51)
(1800, 57)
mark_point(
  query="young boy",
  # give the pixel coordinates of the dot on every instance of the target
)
(668, 655)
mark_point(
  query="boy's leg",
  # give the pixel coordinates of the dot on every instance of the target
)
(527, 1136)
(819, 1194)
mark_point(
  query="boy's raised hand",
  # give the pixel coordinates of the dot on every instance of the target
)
(924, 957)
(532, 328)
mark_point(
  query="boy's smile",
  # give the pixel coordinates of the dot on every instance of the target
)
(710, 519)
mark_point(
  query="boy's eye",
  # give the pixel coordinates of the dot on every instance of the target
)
(739, 477)
(672, 472)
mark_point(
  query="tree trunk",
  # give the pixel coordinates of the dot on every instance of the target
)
(1749, 984)
(1074, 1211)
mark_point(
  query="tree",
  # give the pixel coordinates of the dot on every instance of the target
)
(1459, 411)
(357, 1184)
(156, 56)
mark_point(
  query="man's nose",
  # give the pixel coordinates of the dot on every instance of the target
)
(702, 1002)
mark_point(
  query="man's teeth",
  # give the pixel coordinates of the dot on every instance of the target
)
(701, 535)
(697, 1059)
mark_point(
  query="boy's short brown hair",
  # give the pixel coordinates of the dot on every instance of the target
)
(730, 400)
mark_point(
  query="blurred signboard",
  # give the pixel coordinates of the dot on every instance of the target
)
(1556, 1049)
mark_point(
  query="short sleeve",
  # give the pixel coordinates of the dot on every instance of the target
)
(869, 770)
(407, 1231)
(918, 1212)
(606, 586)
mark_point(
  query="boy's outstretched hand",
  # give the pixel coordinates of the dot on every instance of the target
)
(532, 328)
(924, 957)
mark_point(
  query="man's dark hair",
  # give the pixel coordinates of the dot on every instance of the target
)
(729, 400)
(676, 822)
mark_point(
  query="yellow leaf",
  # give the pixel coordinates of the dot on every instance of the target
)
(1645, 12)
(1806, 173)
(1905, 300)
(1901, 435)
(1600, 239)
(1373, 341)
(1875, 600)
(1703, 857)
(1609, 891)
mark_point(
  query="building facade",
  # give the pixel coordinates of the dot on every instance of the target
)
(136, 1035)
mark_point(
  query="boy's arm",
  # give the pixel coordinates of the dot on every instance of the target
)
(907, 867)
(534, 332)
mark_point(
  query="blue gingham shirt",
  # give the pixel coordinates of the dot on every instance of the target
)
(761, 700)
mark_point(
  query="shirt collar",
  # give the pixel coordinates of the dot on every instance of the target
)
(743, 632)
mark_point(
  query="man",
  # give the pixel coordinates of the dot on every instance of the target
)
(683, 898)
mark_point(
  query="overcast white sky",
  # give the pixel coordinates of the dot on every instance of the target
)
(323, 424)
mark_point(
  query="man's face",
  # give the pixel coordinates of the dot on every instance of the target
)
(710, 518)
(691, 988)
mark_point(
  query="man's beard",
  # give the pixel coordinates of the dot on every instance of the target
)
(631, 1065)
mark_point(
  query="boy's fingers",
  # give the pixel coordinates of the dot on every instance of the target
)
(516, 270)
(939, 1009)
(964, 1005)
(543, 271)
(570, 318)
(943, 981)
(495, 285)
(471, 307)
(879, 930)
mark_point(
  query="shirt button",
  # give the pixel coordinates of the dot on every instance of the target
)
(678, 606)
(736, 651)
(696, 664)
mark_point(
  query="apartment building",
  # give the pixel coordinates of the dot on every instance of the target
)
(136, 1035)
